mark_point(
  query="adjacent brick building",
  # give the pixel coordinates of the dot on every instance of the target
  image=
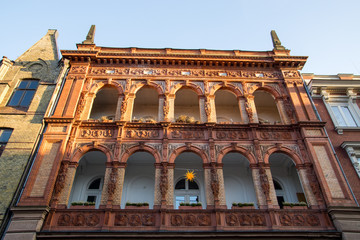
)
(130, 122)
(26, 90)
(337, 100)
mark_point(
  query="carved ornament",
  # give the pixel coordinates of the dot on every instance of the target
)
(97, 133)
(142, 134)
(231, 134)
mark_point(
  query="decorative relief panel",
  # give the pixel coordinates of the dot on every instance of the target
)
(184, 72)
(143, 134)
(296, 219)
(78, 69)
(190, 220)
(97, 133)
(187, 134)
(241, 134)
(273, 135)
(134, 220)
(78, 220)
(245, 220)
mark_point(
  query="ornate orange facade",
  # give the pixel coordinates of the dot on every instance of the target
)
(294, 133)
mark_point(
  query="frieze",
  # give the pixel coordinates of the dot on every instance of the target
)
(184, 72)
(134, 220)
(190, 220)
(233, 135)
(272, 135)
(78, 69)
(289, 219)
(291, 74)
(97, 133)
(79, 220)
(187, 134)
(143, 134)
(245, 220)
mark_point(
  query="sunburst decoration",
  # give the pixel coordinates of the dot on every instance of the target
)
(190, 176)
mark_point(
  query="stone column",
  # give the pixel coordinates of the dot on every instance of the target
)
(130, 108)
(242, 107)
(87, 107)
(220, 174)
(273, 200)
(120, 184)
(282, 112)
(211, 101)
(118, 107)
(207, 184)
(112, 181)
(69, 180)
(171, 102)
(157, 193)
(305, 183)
(170, 192)
(203, 117)
(251, 109)
(260, 196)
(162, 108)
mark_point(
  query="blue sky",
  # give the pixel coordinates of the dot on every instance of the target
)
(326, 31)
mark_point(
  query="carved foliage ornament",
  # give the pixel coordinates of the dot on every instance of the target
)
(245, 220)
(187, 134)
(60, 181)
(299, 220)
(142, 133)
(231, 134)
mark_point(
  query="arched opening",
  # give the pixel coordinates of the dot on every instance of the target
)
(146, 105)
(227, 107)
(186, 105)
(238, 181)
(89, 178)
(139, 180)
(189, 191)
(285, 179)
(266, 108)
(105, 104)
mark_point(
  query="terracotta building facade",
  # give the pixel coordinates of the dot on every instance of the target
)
(131, 122)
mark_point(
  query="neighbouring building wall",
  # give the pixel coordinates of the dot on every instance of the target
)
(331, 93)
(26, 88)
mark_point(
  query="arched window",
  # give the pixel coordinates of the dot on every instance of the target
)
(186, 192)
(105, 103)
(285, 179)
(227, 107)
(146, 105)
(186, 106)
(266, 108)
(89, 178)
(93, 191)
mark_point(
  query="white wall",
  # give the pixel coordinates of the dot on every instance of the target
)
(139, 181)
(239, 186)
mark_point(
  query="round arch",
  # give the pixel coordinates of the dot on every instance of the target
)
(134, 89)
(243, 151)
(97, 86)
(289, 152)
(190, 86)
(229, 87)
(192, 149)
(267, 89)
(139, 148)
(81, 151)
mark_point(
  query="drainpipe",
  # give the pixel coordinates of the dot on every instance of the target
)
(332, 147)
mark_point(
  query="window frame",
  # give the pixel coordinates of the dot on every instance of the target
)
(25, 90)
(3, 143)
(343, 101)
(353, 151)
(186, 193)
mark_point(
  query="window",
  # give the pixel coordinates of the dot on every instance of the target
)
(4, 138)
(93, 193)
(23, 94)
(344, 116)
(186, 192)
(353, 151)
